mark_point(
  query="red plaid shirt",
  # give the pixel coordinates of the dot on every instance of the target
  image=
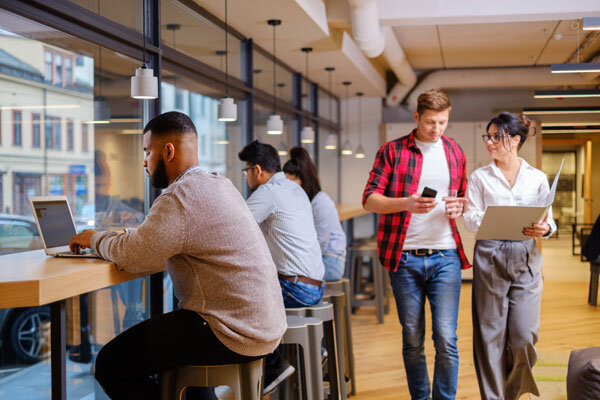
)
(396, 173)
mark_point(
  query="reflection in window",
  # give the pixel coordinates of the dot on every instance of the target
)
(84, 138)
(48, 66)
(56, 133)
(58, 77)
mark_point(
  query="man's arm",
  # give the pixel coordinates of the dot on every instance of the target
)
(261, 204)
(145, 248)
(381, 204)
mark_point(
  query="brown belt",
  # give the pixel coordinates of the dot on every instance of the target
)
(301, 279)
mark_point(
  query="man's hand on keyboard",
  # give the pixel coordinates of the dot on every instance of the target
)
(81, 240)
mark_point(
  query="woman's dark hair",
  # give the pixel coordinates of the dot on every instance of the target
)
(301, 165)
(265, 155)
(512, 125)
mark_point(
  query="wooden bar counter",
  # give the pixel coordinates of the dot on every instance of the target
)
(350, 210)
(33, 279)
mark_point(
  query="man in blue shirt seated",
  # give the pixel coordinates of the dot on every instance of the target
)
(284, 213)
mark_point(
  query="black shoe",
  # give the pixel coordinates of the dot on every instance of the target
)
(274, 377)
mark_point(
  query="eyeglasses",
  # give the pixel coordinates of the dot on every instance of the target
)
(494, 138)
(245, 170)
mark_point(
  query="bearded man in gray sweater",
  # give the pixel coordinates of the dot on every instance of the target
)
(231, 307)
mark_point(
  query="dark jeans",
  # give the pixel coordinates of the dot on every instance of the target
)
(436, 277)
(125, 366)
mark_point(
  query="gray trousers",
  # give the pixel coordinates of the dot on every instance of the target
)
(507, 293)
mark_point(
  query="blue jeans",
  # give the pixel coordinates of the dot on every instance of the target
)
(436, 277)
(334, 267)
(300, 294)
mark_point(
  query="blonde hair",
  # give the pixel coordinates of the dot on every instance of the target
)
(433, 100)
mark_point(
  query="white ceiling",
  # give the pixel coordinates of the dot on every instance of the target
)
(488, 45)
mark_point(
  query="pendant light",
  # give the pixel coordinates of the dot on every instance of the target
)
(307, 135)
(360, 150)
(227, 109)
(347, 146)
(282, 150)
(101, 109)
(274, 123)
(331, 142)
(144, 85)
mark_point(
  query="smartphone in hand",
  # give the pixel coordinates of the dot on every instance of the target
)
(429, 192)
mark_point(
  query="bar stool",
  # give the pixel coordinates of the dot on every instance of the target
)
(344, 286)
(325, 313)
(245, 379)
(379, 296)
(337, 299)
(307, 332)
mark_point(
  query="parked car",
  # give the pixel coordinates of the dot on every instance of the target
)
(18, 233)
(24, 332)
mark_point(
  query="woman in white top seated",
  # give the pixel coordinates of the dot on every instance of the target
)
(332, 238)
(507, 281)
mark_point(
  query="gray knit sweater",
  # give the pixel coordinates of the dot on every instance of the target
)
(217, 258)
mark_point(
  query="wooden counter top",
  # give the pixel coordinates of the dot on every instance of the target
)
(33, 279)
(350, 210)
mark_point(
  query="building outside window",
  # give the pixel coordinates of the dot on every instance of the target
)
(17, 128)
(56, 133)
(70, 135)
(84, 138)
(35, 130)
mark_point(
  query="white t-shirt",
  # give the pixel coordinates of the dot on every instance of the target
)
(432, 230)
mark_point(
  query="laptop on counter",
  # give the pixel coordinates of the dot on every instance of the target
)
(56, 225)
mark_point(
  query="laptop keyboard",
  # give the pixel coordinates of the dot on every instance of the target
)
(82, 252)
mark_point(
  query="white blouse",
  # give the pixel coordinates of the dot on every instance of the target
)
(488, 187)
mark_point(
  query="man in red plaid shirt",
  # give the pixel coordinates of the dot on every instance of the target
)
(418, 241)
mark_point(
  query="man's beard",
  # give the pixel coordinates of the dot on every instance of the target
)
(159, 178)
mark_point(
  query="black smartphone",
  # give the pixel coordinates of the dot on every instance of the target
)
(429, 192)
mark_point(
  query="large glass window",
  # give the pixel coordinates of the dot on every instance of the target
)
(263, 77)
(181, 28)
(60, 149)
(329, 173)
(284, 142)
(328, 107)
(218, 142)
(127, 13)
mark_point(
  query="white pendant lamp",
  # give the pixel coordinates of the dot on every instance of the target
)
(144, 85)
(360, 150)
(347, 146)
(331, 142)
(274, 123)
(227, 109)
(282, 150)
(307, 135)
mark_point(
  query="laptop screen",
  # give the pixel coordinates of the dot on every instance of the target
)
(56, 223)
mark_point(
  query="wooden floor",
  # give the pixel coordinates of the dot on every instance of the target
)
(567, 323)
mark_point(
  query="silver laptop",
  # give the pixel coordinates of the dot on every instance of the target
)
(56, 225)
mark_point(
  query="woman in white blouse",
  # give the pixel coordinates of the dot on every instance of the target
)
(507, 281)
(330, 234)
